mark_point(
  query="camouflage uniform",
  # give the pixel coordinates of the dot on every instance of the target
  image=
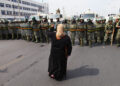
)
(36, 30)
(66, 26)
(108, 31)
(27, 30)
(56, 24)
(44, 29)
(18, 30)
(52, 26)
(23, 30)
(5, 29)
(98, 33)
(81, 32)
(91, 33)
(72, 28)
(11, 28)
(103, 30)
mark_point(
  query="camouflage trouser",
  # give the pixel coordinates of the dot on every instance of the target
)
(18, 33)
(91, 38)
(5, 33)
(98, 37)
(1, 34)
(41, 33)
(23, 34)
(36, 36)
(44, 36)
(102, 33)
(73, 35)
(12, 33)
(118, 37)
(28, 34)
(81, 35)
(108, 36)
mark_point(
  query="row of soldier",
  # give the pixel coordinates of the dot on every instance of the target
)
(87, 33)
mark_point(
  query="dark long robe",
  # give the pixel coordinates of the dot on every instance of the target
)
(60, 50)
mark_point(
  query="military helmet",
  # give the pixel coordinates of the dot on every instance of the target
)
(110, 19)
(33, 18)
(89, 20)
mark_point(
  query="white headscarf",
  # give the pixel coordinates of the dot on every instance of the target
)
(60, 30)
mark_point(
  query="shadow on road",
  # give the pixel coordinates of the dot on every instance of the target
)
(81, 72)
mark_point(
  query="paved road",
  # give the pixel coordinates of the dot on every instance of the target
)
(25, 64)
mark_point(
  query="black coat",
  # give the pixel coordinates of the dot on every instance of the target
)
(60, 50)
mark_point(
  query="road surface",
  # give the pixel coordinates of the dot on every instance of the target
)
(25, 64)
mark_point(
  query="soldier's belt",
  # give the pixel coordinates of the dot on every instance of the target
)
(26, 28)
(72, 29)
(91, 30)
(36, 29)
(108, 31)
(18, 27)
(44, 28)
(80, 29)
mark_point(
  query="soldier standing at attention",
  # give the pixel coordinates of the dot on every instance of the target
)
(108, 31)
(91, 32)
(66, 26)
(73, 27)
(103, 22)
(81, 31)
(118, 32)
(57, 23)
(36, 30)
(98, 28)
(12, 29)
(52, 25)
(18, 29)
(28, 31)
(45, 28)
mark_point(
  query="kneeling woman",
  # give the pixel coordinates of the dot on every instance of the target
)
(61, 48)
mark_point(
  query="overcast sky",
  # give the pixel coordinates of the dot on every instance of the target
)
(71, 7)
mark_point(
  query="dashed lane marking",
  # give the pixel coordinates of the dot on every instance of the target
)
(4, 67)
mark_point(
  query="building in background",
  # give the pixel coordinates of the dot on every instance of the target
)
(16, 9)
